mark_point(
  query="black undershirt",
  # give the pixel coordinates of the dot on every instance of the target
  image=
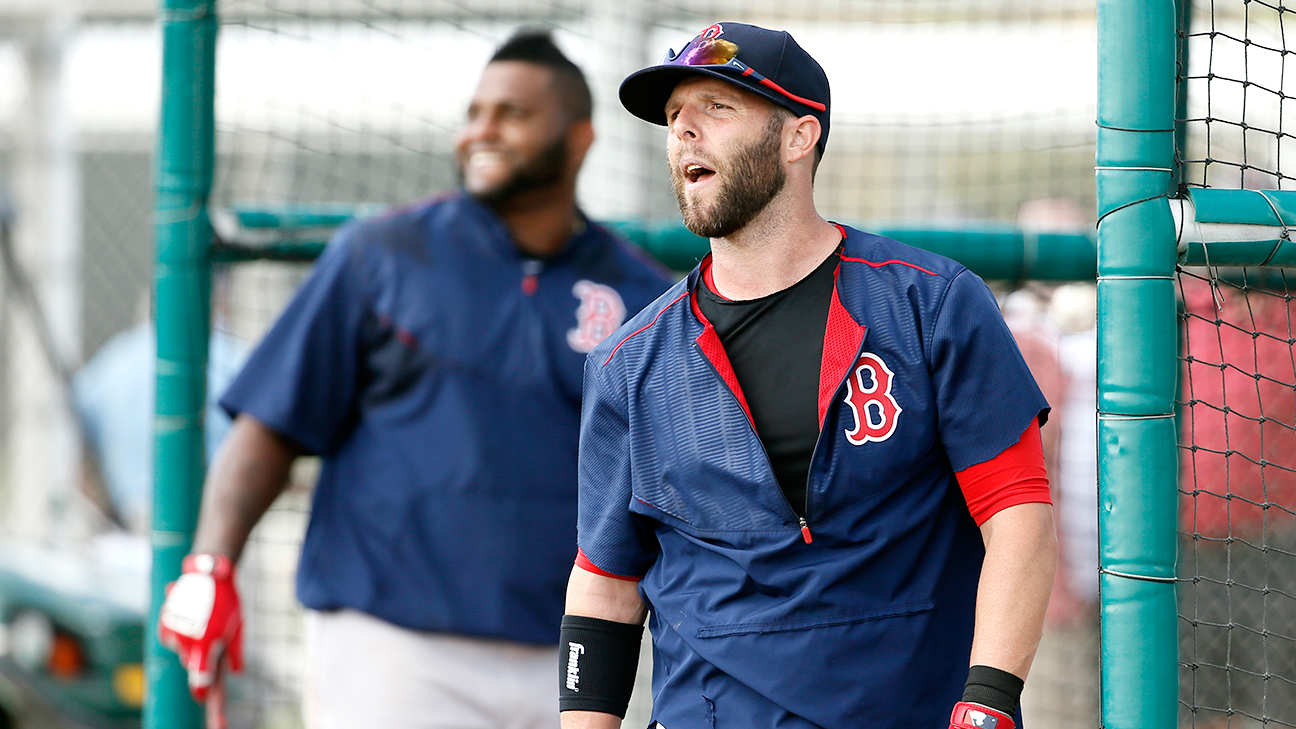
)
(775, 344)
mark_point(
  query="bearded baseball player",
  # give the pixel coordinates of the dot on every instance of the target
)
(433, 360)
(816, 460)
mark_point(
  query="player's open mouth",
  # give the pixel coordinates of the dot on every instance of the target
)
(483, 159)
(696, 173)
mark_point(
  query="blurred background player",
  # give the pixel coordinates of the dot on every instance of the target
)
(433, 360)
(817, 461)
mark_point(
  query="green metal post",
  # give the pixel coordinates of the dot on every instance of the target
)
(1183, 26)
(183, 176)
(1137, 363)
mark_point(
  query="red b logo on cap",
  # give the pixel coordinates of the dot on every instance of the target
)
(713, 31)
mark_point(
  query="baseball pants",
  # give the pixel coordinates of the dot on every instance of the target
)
(366, 672)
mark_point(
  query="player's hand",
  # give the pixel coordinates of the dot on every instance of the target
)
(201, 621)
(976, 716)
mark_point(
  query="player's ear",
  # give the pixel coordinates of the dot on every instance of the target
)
(801, 138)
(580, 136)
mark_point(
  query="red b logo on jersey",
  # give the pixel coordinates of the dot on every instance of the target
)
(868, 393)
(600, 312)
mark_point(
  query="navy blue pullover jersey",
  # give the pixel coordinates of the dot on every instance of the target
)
(437, 371)
(860, 614)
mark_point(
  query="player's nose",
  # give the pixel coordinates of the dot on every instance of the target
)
(684, 125)
(482, 126)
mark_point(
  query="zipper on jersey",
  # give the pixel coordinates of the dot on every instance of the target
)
(531, 269)
(814, 455)
(769, 466)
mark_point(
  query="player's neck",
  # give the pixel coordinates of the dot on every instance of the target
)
(542, 220)
(779, 247)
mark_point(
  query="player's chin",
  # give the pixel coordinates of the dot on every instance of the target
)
(696, 202)
(700, 202)
(703, 221)
(487, 187)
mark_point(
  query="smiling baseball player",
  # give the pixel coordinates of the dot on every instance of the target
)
(816, 460)
(433, 360)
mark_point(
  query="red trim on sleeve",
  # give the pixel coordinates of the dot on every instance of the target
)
(1016, 476)
(584, 563)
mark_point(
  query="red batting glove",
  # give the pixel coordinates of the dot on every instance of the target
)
(201, 620)
(976, 716)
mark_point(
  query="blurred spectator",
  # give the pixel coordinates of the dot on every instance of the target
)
(1023, 311)
(114, 394)
(1240, 406)
(1060, 328)
(1073, 312)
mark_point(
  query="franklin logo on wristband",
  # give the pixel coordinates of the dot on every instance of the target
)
(574, 651)
(599, 673)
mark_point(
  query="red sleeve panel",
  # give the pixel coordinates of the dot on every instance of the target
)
(584, 563)
(1016, 476)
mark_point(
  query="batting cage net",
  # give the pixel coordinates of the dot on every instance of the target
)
(1237, 556)
(949, 113)
(946, 114)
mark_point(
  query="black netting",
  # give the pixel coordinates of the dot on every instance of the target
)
(1238, 117)
(1237, 561)
(1237, 597)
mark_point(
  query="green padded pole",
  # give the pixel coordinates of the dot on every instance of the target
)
(1137, 362)
(1183, 25)
(182, 178)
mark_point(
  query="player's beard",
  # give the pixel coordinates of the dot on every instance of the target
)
(753, 176)
(546, 168)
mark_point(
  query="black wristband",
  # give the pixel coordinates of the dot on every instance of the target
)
(992, 687)
(597, 663)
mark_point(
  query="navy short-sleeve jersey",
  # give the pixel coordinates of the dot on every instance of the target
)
(868, 603)
(437, 371)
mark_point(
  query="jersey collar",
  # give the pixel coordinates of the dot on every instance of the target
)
(843, 336)
(497, 239)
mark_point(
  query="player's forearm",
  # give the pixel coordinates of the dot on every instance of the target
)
(1016, 581)
(248, 474)
(595, 596)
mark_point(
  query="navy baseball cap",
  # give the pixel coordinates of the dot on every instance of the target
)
(766, 62)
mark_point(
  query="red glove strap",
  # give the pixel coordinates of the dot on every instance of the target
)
(217, 565)
(201, 621)
(976, 716)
